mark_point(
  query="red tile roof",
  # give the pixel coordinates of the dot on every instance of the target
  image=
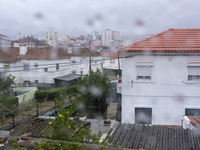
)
(24, 40)
(4, 36)
(39, 53)
(170, 41)
(195, 120)
(109, 54)
(9, 54)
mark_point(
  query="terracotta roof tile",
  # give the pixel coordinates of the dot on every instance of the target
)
(24, 40)
(108, 54)
(172, 40)
(40, 53)
(9, 54)
(195, 120)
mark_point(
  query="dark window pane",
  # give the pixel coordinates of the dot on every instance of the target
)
(143, 115)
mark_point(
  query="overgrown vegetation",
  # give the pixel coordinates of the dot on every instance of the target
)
(8, 104)
(65, 129)
(42, 95)
(5, 83)
(93, 91)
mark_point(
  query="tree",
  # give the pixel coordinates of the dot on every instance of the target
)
(5, 83)
(94, 90)
(69, 133)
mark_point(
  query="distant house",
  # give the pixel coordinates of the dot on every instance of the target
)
(40, 65)
(23, 42)
(111, 63)
(161, 78)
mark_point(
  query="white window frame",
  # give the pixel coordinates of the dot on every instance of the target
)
(112, 61)
(57, 66)
(196, 77)
(6, 67)
(144, 64)
(26, 66)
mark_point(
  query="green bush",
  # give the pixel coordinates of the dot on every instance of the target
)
(8, 103)
(41, 95)
(56, 92)
(71, 89)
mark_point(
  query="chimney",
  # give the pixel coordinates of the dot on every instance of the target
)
(22, 50)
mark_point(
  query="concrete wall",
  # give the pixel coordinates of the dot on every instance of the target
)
(168, 93)
(27, 96)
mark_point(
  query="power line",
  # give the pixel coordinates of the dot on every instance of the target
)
(51, 65)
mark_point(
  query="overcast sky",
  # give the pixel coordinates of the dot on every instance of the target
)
(80, 17)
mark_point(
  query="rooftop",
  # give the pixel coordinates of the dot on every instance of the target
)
(154, 137)
(8, 54)
(170, 41)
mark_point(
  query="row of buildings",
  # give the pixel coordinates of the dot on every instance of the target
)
(160, 74)
(108, 38)
(41, 65)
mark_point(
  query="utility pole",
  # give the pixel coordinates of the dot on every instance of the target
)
(90, 56)
(118, 61)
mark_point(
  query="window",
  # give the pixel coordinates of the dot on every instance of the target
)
(57, 66)
(192, 112)
(143, 115)
(193, 73)
(144, 73)
(26, 66)
(36, 65)
(112, 61)
(6, 67)
(45, 69)
(73, 61)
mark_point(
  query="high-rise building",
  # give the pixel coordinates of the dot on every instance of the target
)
(109, 36)
(51, 37)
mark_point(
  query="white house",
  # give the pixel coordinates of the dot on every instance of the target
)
(111, 60)
(161, 78)
(42, 65)
(23, 42)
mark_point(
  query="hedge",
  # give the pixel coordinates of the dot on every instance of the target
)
(42, 95)
(8, 103)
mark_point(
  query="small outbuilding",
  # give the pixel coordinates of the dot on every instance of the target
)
(67, 80)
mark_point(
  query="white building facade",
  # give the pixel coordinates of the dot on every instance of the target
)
(109, 37)
(160, 80)
(42, 65)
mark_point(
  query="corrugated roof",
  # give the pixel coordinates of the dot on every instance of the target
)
(170, 41)
(68, 77)
(155, 137)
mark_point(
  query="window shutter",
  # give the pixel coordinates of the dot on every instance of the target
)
(193, 70)
(144, 71)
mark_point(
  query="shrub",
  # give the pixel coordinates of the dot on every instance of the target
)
(55, 93)
(41, 95)
(71, 89)
(8, 103)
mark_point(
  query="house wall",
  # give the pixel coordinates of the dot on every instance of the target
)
(168, 93)
(111, 64)
(38, 73)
